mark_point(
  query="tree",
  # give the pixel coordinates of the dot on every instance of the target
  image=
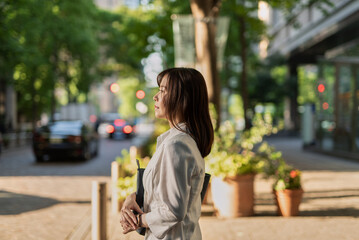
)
(130, 35)
(43, 48)
(205, 13)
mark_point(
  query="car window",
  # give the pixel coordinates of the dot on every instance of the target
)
(110, 117)
(69, 128)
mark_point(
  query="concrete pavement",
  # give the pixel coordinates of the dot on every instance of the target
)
(43, 208)
(329, 209)
(58, 207)
(50, 200)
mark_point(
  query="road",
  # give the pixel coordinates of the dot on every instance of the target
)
(49, 200)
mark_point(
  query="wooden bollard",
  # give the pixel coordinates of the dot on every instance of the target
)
(133, 153)
(99, 216)
(115, 173)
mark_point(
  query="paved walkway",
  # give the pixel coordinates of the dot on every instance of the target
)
(46, 209)
(329, 210)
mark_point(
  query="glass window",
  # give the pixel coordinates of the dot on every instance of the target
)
(325, 107)
(356, 106)
(342, 134)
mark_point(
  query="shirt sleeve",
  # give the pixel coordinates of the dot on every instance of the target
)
(173, 187)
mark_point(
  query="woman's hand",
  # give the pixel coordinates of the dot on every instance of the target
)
(128, 219)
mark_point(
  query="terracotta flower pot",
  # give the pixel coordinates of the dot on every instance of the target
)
(279, 213)
(233, 196)
(289, 201)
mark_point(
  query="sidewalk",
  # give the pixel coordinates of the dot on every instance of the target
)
(329, 209)
(16, 140)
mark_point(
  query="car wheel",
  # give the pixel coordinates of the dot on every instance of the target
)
(39, 158)
(86, 154)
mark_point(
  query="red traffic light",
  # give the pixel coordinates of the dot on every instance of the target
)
(114, 87)
(140, 94)
(321, 88)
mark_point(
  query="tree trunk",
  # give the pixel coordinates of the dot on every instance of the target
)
(34, 105)
(54, 75)
(244, 90)
(204, 13)
(2, 104)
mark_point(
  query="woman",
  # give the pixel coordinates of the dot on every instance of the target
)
(174, 177)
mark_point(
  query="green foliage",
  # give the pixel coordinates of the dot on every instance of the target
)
(235, 106)
(307, 81)
(233, 154)
(127, 97)
(128, 169)
(279, 73)
(263, 86)
(272, 159)
(130, 35)
(287, 177)
(126, 186)
(47, 45)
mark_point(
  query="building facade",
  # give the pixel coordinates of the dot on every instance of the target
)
(330, 40)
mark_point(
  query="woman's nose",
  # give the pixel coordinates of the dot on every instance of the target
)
(155, 98)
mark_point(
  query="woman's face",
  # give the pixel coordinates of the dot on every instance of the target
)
(160, 111)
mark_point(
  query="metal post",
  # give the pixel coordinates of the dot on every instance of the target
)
(99, 220)
(115, 172)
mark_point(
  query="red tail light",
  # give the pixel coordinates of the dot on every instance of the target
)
(110, 129)
(127, 129)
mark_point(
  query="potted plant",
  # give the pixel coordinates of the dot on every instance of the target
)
(288, 190)
(233, 164)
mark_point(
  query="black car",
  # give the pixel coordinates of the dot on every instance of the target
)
(117, 127)
(65, 139)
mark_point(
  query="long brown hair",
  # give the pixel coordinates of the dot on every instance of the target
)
(187, 100)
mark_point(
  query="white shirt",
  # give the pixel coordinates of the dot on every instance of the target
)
(173, 182)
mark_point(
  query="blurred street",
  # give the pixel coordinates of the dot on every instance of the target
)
(49, 200)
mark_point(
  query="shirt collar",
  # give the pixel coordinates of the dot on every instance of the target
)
(171, 132)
